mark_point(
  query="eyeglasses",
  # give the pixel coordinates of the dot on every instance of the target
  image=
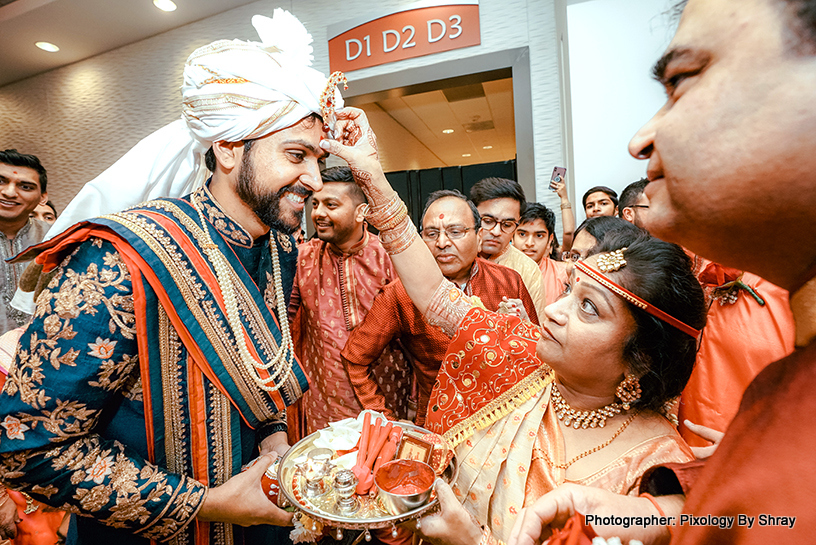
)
(638, 206)
(570, 256)
(453, 232)
(508, 226)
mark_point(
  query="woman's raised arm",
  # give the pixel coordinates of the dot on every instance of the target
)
(416, 267)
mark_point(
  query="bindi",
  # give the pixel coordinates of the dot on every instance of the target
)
(441, 216)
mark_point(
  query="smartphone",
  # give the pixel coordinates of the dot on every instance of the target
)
(557, 176)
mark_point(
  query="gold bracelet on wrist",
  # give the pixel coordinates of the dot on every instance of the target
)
(398, 239)
(388, 215)
(566, 206)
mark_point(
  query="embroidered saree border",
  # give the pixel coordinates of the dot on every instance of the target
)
(501, 406)
(192, 292)
(194, 305)
(170, 350)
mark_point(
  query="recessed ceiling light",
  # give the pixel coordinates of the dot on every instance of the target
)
(465, 155)
(47, 46)
(447, 131)
(487, 147)
(165, 5)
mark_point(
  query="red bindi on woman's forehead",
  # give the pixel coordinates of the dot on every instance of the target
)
(441, 216)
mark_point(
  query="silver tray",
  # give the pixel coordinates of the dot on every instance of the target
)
(367, 517)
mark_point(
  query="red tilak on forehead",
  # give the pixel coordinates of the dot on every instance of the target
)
(441, 216)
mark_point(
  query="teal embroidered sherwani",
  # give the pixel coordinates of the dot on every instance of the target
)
(128, 395)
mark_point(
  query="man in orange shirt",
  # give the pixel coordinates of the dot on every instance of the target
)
(339, 273)
(450, 225)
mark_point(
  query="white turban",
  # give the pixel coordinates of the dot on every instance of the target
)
(232, 91)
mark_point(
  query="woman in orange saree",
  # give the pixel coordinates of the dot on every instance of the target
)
(527, 408)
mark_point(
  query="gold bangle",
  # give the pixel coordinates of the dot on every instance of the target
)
(388, 215)
(565, 207)
(397, 240)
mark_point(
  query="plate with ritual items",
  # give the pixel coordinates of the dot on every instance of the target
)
(363, 473)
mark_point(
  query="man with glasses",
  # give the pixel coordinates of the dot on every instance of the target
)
(450, 227)
(634, 204)
(501, 202)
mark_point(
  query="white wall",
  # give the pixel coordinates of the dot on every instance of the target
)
(80, 118)
(612, 47)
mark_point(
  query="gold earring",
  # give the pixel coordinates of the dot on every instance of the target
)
(628, 391)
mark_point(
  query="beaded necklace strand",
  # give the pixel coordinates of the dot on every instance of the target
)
(282, 363)
(583, 420)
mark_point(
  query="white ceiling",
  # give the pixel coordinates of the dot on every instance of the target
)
(410, 127)
(409, 122)
(84, 28)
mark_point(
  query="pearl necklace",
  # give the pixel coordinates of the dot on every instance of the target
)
(282, 363)
(595, 418)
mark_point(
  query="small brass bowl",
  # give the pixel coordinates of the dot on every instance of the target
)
(404, 485)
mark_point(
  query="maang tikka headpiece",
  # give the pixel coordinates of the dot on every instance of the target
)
(614, 261)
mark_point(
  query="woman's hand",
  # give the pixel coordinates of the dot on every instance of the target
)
(241, 500)
(514, 307)
(709, 434)
(357, 145)
(451, 525)
(552, 510)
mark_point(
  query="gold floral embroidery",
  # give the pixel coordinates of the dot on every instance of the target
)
(14, 428)
(68, 419)
(102, 348)
(71, 294)
(46, 491)
(12, 465)
(285, 242)
(118, 479)
(100, 469)
(109, 369)
(220, 220)
(132, 387)
(270, 298)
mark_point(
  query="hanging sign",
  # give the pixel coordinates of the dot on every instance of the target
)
(421, 29)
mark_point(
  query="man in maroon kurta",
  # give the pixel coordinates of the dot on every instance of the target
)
(450, 226)
(732, 170)
(339, 273)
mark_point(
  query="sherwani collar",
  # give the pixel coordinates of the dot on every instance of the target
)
(231, 230)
